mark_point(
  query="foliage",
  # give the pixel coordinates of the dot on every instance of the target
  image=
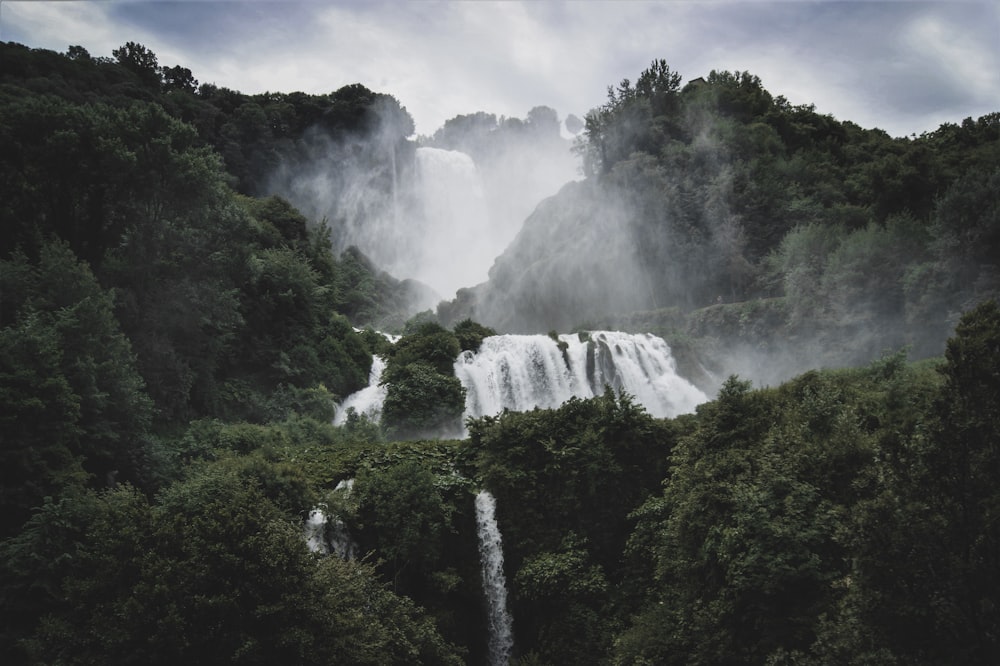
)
(73, 405)
(422, 402)
(170, 351)
(424, 398)
(470, 334)
(564, 480)
(935, 565)
(214, 573)
(814, 523)
(719, 192)
(404, 510)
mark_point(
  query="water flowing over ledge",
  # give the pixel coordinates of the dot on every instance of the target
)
(501, 637)
(522, 372)
(326, 533)
(368, 401)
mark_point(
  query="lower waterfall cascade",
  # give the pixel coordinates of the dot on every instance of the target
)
(501, 634)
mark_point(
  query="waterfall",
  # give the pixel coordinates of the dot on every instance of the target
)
(315, 532)
(453, 247)
(368, 401)
(501, 638)
(326, 533)
(521, 372)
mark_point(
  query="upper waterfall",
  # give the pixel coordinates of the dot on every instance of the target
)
(454, 247)
(521, 372)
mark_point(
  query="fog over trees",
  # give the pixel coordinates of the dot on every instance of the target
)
(193, 279)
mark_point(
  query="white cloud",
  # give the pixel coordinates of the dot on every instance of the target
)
(49, 24)
(903, 66)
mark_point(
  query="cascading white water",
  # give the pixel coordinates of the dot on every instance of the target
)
(501, 637)
(315, 532)
(326, 533)
(368, 401)
(521, 372)
(453, 247)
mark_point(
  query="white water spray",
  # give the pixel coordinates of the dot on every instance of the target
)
(368, 401)
(501, 638)
(521, 372)
(315, 532)
(326, 533)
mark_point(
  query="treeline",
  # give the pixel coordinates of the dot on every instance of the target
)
(144, 303)
(253, 134)
(846, 516)
(718, 192)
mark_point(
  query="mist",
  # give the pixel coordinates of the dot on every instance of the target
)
(733, 224)
(438, 210)
(756, 237)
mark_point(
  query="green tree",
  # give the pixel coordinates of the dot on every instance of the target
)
(216, 572)
(565, 480)
(141, 61)
(404, 518)
(179, 78)
(422, 402)
(965, 464)
(72, 395)
(470, 334)
(38, 429)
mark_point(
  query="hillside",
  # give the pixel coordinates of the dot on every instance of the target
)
(175, 338)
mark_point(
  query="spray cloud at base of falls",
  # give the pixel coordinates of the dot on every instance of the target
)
(501, 635)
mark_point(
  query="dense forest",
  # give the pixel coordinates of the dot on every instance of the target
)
(175, 336)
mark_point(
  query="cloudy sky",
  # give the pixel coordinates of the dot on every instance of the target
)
(903, 66)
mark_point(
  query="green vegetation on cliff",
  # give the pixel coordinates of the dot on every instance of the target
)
(716, 192)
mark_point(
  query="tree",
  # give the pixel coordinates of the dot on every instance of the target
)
(73, 399)
(78, 53)
(38, 427)
(179, 78)
(573, 124)
(470, 334)
(966, 477)
(217, 572)
(141, 61)
(544, 121)
(422, 402)
(564, 480)
(403, 516)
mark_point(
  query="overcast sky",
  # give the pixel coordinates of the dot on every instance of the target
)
(905, 67)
